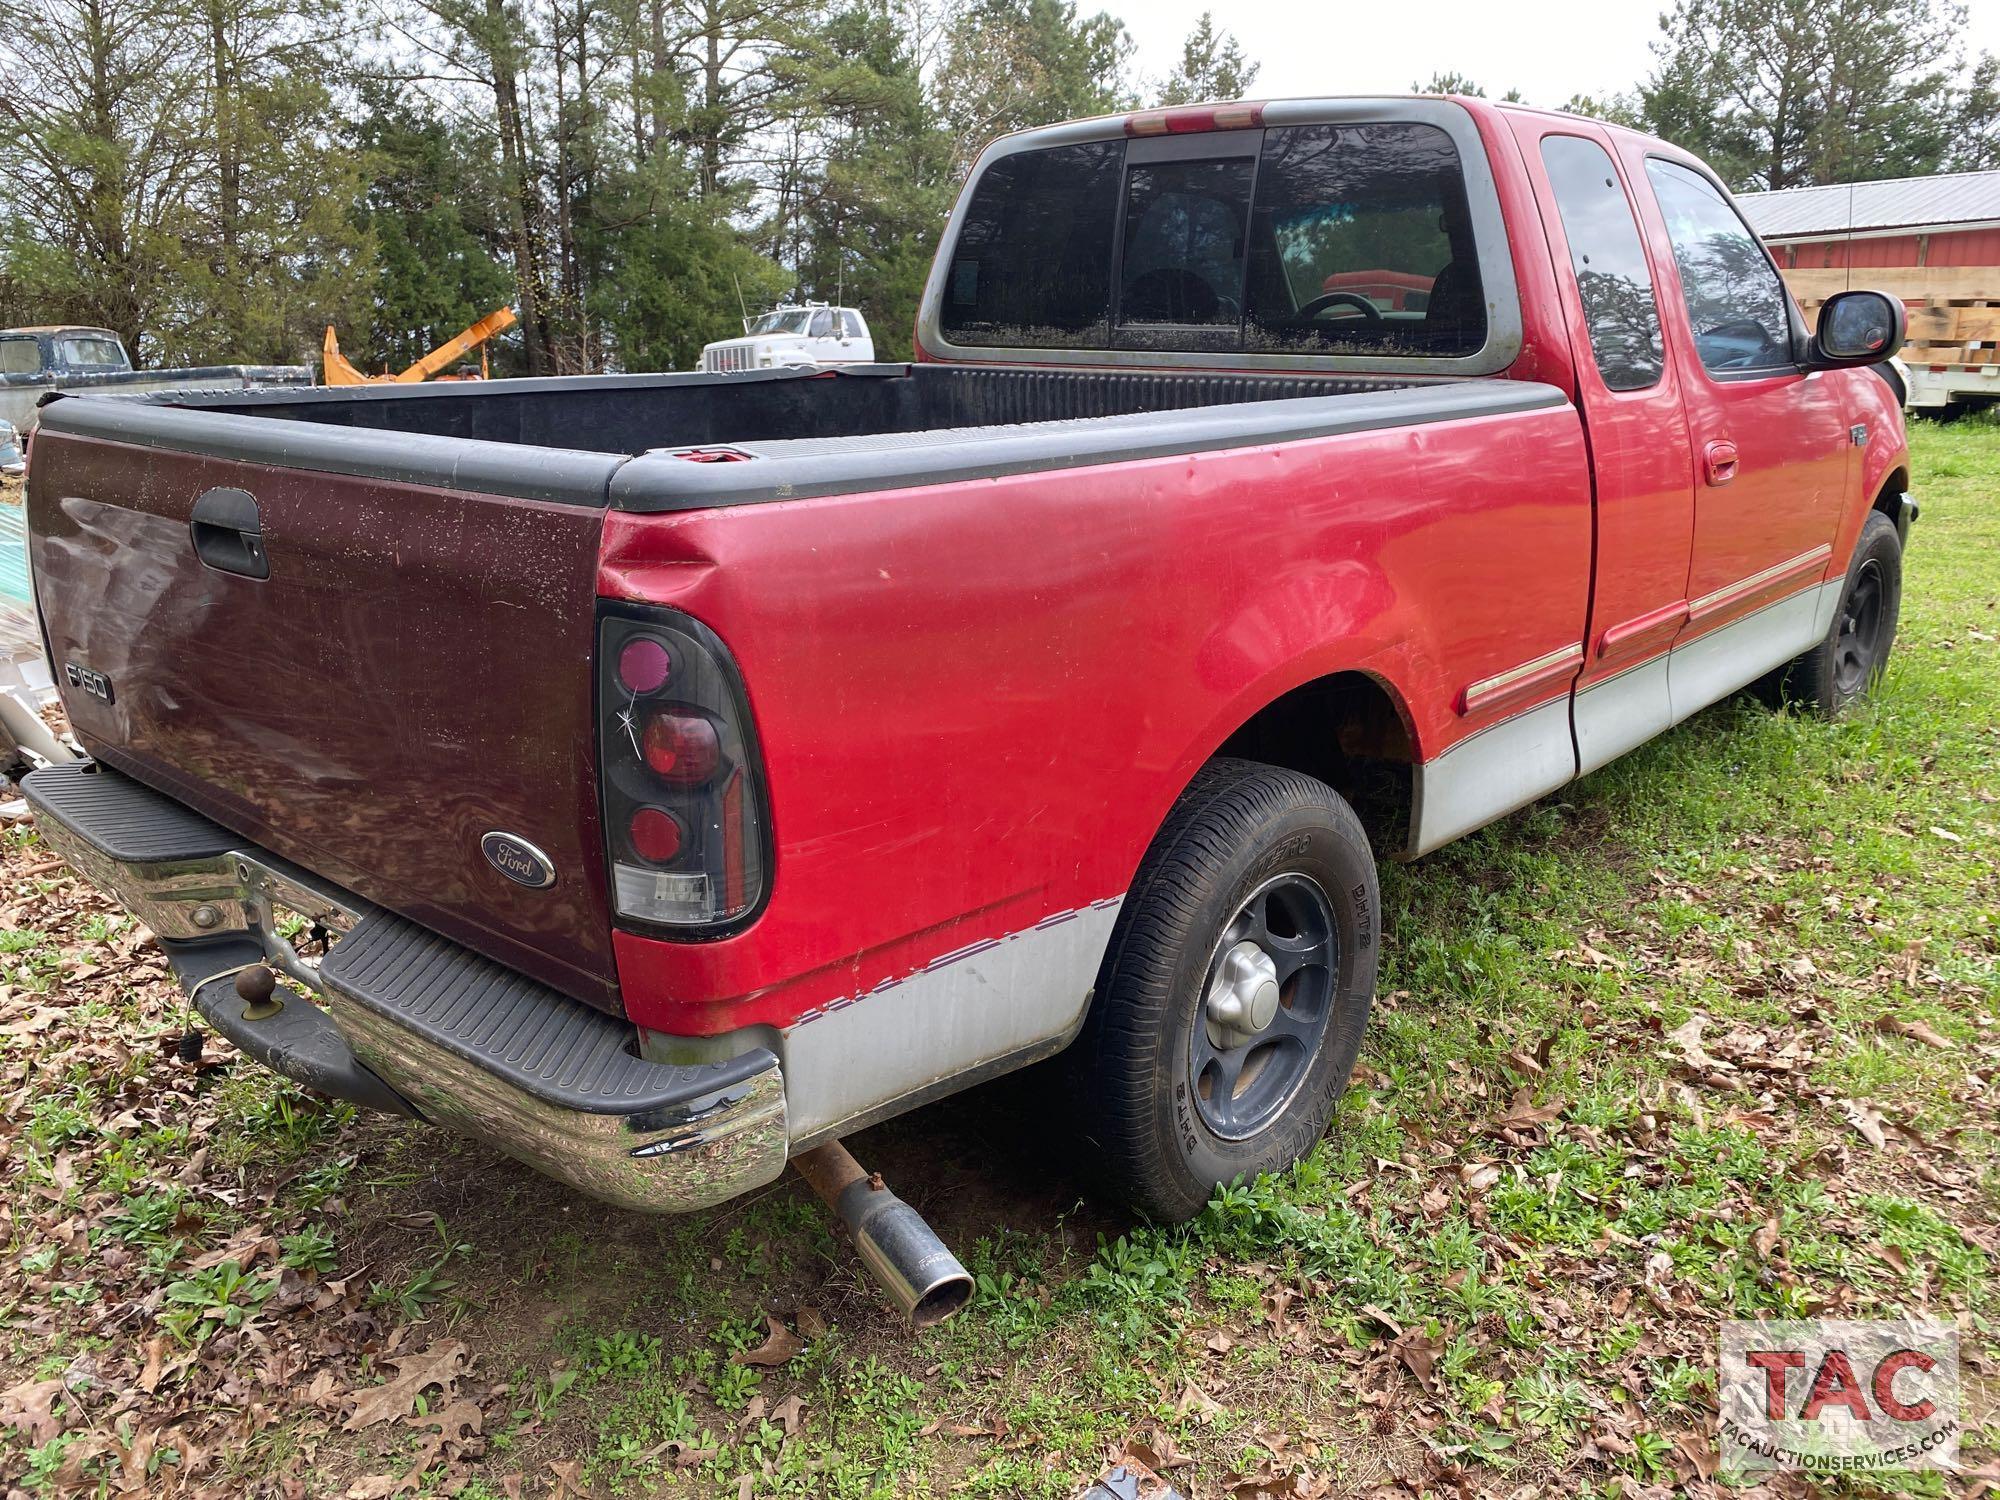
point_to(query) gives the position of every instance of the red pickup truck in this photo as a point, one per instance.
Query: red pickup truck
(659, 775)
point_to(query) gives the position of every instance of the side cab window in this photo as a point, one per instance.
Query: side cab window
(1736, 303)
(89, 352)
(1613, 278)
(22, 356)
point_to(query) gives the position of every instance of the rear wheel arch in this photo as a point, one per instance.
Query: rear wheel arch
(1351, 730)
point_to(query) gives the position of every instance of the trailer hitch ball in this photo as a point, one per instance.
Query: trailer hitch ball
(257, 988)
(903, 1253)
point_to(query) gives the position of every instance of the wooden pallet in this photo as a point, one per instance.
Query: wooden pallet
(1955, 316)
(1945, 284)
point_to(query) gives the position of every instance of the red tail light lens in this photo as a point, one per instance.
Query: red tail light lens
(656, 835)
(644, 665)
(688, 836)
(681, 748)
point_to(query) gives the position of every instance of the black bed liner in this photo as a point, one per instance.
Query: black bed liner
(678, 442)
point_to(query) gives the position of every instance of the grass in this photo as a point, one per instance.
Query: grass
(1433, 1300)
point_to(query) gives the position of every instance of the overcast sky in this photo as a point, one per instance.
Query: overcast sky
(1548, 49)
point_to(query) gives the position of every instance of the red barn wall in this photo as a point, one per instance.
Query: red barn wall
(1960, 247)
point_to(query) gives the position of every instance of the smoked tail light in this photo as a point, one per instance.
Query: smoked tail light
(686, 826)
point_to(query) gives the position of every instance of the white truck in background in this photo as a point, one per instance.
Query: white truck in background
(794, 333)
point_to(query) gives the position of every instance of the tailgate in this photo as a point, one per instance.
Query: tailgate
(413, 674)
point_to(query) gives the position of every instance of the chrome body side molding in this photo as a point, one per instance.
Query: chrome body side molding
(1508, 765)
(1757, 583)
(1519, 681)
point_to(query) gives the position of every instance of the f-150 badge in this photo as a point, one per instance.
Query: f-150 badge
(86, 681)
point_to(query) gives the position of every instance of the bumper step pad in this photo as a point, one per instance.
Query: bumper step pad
(540, 1041)
(122, 819)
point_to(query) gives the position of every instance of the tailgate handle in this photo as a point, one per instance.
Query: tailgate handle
(228, 533)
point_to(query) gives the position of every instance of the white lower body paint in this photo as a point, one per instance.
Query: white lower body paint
(1511, 763)
(976, 1013)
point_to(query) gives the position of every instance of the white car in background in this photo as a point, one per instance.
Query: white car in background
(811, 333)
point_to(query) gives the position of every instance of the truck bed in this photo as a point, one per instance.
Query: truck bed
(633, 414)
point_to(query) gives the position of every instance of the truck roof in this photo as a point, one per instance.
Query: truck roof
(1249, 114)
(39, 328)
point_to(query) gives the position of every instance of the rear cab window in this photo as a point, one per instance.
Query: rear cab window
(1180, 278)
(1363, 241)
(1032, 265)
(1353, 239)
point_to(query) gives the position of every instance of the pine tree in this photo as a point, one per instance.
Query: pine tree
(1788, 93)
(1213, 65)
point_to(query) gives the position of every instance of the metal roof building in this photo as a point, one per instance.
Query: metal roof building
(1932, 241)
(1948, 220)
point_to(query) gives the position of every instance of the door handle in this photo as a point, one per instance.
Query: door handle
(1719, 461)
(228, 533)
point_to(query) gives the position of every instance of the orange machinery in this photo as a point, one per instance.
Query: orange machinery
(339, 372)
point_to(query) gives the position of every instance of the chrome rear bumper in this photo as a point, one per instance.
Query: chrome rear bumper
(410, 1022)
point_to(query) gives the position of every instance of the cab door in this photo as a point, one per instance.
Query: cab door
(1631, 396)
(1769, 441)
(823, 347)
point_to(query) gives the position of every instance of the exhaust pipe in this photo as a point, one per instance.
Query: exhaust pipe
(900, 1250)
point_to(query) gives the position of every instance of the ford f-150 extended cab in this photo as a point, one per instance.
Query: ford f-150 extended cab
(666, 774)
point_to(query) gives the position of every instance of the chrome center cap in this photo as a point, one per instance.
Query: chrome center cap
(1243, 999)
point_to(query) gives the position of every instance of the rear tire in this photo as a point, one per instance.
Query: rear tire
(1832, 676)
(1232, 999)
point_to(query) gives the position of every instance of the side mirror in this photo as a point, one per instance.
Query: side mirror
(1858, 328)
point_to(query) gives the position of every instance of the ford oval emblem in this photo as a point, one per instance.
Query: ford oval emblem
(519, 860)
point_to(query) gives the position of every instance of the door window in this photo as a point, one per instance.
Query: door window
(19, 357)
(89, 353)
(1612, 275)
(1736, 304)
(822, 325)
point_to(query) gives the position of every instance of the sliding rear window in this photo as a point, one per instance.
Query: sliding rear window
(1313, 239)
